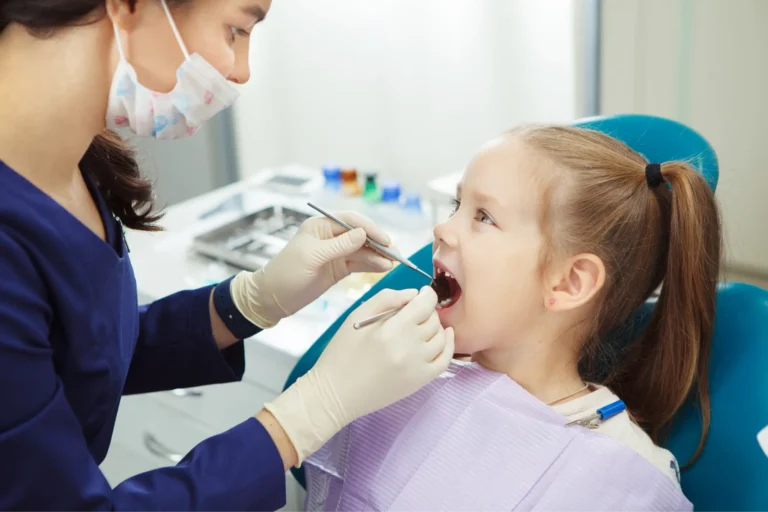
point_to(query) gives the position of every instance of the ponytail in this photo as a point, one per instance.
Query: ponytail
(671, 360)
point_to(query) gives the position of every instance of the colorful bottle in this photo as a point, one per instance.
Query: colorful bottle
(371, 189)
(328, 196)
(332, 175)
(412, 203)
(412, 211)
(349, 184)
(388, 210)
(390, 192)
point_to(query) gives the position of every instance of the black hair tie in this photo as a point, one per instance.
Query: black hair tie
(653, 175)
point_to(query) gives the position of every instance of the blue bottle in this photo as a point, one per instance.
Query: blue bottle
(413, 215)
(332, 175)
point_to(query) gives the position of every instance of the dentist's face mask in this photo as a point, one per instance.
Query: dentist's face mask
(200, 93)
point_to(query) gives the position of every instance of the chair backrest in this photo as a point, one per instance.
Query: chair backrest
(732, 471)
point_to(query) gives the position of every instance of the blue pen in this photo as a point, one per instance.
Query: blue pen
(602, 414)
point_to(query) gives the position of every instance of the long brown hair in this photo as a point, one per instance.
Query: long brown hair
(109, 161)
(599, 201)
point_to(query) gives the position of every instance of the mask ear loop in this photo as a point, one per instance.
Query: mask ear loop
(175, 30)
(118, 41)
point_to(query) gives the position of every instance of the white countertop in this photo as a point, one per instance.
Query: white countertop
(164, 262)
(444, 187)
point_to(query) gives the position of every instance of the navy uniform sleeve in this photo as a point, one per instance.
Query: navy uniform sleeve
(44, 458)
(176, 348)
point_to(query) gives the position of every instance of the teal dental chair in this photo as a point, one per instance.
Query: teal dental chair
(732, 472)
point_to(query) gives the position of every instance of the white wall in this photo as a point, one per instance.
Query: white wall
(185, 168)
(408, 87)
(701, 62)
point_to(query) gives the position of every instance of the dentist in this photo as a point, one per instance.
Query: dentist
(72, 338)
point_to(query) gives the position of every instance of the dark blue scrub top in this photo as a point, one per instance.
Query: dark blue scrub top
(73, 341)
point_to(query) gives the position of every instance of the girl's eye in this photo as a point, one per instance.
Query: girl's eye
(482, 216)
(455, 204)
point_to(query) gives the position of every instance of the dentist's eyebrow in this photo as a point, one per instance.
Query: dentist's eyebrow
(255, 11)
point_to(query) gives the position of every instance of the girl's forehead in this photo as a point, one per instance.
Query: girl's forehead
(507, 172)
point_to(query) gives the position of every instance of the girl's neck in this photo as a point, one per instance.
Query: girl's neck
(547, 371)
(53, 96)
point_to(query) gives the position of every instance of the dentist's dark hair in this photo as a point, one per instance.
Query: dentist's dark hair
(109, 160)
(598, 201)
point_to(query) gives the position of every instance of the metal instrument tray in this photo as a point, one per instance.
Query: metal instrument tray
(251, 241)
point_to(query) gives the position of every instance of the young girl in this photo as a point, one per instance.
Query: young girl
(558, 234)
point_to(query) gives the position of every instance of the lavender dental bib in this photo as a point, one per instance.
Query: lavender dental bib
(476, 440)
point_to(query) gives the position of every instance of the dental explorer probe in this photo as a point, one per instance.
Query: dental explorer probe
(384, 251)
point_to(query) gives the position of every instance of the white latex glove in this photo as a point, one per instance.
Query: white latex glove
(321, 254)
(364, 370)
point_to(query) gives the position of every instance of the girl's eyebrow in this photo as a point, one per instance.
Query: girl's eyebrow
(480, 196)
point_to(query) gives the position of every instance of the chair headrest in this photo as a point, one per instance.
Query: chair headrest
(659, 140)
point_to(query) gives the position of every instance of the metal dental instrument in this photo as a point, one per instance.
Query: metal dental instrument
(375, 318)
(384, 251)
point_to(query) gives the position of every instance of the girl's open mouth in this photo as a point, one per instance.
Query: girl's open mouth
(447, 288)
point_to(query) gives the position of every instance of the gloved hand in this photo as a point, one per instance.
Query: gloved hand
(321, 254)
(364, 370)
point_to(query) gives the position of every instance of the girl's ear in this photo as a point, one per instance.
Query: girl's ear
(577, 282)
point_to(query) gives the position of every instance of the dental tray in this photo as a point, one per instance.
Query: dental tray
(251, 241)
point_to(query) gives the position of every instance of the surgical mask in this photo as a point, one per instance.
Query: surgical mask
(200, 93)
